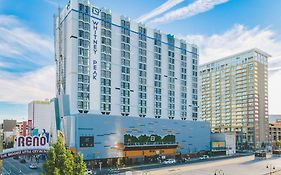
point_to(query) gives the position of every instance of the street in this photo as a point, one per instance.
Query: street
(14, 167)
(236, 166)
(246, 165)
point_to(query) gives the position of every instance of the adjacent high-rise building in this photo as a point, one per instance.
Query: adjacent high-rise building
(234, 96)
(39, 113)
(275, 131)
(108, 64)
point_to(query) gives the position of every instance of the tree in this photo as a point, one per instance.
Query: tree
(80, 166)
(278, 144)
(50, 165)
(263, 145)
(62, 161)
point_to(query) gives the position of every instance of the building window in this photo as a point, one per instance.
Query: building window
(171, 77)
(157, 75)
(125, 68)
(83, 58)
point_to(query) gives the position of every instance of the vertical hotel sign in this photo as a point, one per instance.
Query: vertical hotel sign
(95, 12)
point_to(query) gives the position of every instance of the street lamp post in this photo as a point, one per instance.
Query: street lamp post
(271, 168)
(219, 172)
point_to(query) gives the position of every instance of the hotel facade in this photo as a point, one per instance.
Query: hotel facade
(234, 96)
(108, 64)
(123, 86)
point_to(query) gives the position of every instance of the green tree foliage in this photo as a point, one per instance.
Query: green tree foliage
(10, 145)
(278, 144)
(80, 165)
(61, 161)
(263, 145)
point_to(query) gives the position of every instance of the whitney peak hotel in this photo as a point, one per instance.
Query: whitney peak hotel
(125, 90)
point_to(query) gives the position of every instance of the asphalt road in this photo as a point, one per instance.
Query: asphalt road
(236, 166)
(148, 167)
(14, 167)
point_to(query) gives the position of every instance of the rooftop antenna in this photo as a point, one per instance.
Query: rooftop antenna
(57, 41)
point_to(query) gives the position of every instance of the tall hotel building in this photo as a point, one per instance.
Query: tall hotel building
(123, 89)
(110, 65)
(234, 96)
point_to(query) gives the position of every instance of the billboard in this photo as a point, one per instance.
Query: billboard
(144, 139)
(27, 145)
(218, 145)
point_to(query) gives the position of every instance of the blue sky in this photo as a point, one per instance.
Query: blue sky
(219, 27)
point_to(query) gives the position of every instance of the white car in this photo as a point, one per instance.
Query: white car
(33, 166)
(88, 171)
(187, 159)
(169, 161)
(204, 157)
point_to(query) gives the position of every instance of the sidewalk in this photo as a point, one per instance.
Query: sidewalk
(278, 172)
(144, 167)
(194, 160)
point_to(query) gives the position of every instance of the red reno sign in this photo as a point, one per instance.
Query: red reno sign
(31, 141)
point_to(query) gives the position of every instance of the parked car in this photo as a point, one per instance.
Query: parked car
(33, 166)
(204, 157)
(22, 161)
(169, 161)
(187, 159)
(16, 157)
(88, 172)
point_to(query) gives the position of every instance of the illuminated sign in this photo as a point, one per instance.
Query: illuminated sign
(27, 145)
(95, 69)
(95, 36)
(95, 48)
(30, 141)
(95, 11)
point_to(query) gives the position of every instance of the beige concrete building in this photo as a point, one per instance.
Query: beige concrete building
(275, 131)
(39, 112)
(234, 96)
(9, 125)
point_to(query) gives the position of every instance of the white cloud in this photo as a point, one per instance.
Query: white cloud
(53, 3)
(9, 20)
(159, 10)
(198, 6)
(22, 49)
(238, 39)
(4, 65)
(23, 88)
(20, 44)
